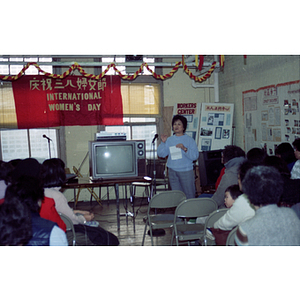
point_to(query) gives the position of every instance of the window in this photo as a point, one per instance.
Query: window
(122, 69)
(141, 105)
(11, 69)
(23, 143)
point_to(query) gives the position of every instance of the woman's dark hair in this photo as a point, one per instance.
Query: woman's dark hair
(5, 169)
(15, 222)
(286, 152)
(263, 185)
(27, 189)
(279, 164)
(256, 155)
(234, 191)
(244, 167)
(296, 144)
(26, 167)
(182, 119)
(231, 151)
(53, 172)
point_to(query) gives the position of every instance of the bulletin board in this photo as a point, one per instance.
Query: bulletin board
(215, 126)
(192, 113)
(271, 116)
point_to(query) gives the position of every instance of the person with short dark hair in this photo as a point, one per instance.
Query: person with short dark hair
(271, 225)
(15, 223)
(181, 151)
(31, 167)
(233, 156)
(231, 194)
(286, 152)
(295, 173)
(256, 155)
(30, 192)
(291, 187)
(53, 176)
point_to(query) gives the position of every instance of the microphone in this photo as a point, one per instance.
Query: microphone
(155, 137)
(44, 136)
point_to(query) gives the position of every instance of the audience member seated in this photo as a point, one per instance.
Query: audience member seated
(53, 177)
(15, 223)
(271, 225)
(295, 173)
(256, 155)
(31, 167)
(240, 208)
(233, 156)
(286, 152)
(30, 192)
(5, 169)
(291, 187)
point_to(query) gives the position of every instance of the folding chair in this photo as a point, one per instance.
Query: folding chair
(163, 200)
(70, 227)
(191, 208)
(230, 239)
(209, 222)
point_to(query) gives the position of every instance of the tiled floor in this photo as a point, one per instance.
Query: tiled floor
(106, 215)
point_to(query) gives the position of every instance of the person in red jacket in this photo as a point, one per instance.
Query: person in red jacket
(31, 167)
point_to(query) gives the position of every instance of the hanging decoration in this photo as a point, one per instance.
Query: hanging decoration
(113, 65)
(199, 79)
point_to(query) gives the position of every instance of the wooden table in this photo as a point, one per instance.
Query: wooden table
(106, 182)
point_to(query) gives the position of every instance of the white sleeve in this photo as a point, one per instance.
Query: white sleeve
(58, 237)
(239, 212)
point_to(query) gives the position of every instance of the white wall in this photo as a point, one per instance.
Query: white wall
(259, 71)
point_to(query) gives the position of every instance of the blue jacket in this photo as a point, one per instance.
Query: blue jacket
(41, 230)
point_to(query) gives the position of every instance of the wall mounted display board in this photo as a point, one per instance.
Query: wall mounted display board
(271, 116)
(192, 112)
(215, 126)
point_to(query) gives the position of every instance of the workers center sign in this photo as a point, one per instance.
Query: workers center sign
(75, 100)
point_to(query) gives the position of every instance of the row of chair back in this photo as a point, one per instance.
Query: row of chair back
(162, 201)
(186, 230)
(182, 221)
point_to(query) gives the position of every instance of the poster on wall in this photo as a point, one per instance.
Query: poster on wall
(215, 126)
(271, 116)
(192, 113)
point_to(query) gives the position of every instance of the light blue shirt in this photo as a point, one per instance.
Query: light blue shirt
(185, 163)
(58, 237)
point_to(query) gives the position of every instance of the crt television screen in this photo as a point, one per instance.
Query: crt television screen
(115, 159)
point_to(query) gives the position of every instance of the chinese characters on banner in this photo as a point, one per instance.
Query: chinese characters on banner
(192, 112)
(215, 126)
(271, 116)
(74, 100)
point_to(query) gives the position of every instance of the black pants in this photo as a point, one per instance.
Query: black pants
(94, 236)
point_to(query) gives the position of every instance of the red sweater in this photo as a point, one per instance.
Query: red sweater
(49, 212)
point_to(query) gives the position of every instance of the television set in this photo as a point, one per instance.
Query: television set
(117, 159)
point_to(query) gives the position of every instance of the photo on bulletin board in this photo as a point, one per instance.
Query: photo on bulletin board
(206, 131)
(218, 133)
(215, 119)
(206, 145)
(226, 133)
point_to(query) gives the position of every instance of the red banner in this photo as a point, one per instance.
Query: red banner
(75, 100)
